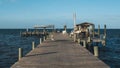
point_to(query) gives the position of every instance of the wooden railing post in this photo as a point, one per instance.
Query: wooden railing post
(33, 45)
(19, 54)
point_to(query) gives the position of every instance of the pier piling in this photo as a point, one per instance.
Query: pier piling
(33, 45)
(84, 43)
(96, 51)
(19, 54)
(99, 30)
(105, 30)
(40, 40)
(104, 35)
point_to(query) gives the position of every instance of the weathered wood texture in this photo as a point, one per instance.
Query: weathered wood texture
(60, 53)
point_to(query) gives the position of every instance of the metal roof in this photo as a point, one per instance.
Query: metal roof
(44, 26)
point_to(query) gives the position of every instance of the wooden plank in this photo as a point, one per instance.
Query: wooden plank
(60, 53)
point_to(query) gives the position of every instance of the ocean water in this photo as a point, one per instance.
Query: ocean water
(110, 54)
(10, 41)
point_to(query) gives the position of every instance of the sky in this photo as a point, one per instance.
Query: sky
(27, 13)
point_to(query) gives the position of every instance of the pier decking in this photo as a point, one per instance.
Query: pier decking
(59, 53)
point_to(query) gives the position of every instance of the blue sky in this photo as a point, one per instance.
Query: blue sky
(27, 13)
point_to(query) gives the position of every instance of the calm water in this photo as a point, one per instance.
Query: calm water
(111, 53)
(10, 41)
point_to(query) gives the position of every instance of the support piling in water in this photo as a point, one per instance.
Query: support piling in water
(104, 35)
(19, 54)
(96, 51)
(99, 30)
(105, 30)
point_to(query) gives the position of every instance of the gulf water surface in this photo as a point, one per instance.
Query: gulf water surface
(10, 41)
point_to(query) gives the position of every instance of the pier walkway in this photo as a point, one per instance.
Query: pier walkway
(60, 53)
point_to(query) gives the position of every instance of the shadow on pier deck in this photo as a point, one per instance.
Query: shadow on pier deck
(60, 53)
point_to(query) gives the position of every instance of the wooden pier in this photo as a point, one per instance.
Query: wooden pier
(62, 52)
(36, 31)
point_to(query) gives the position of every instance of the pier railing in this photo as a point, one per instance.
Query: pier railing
(60, 52)
(20, 51)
